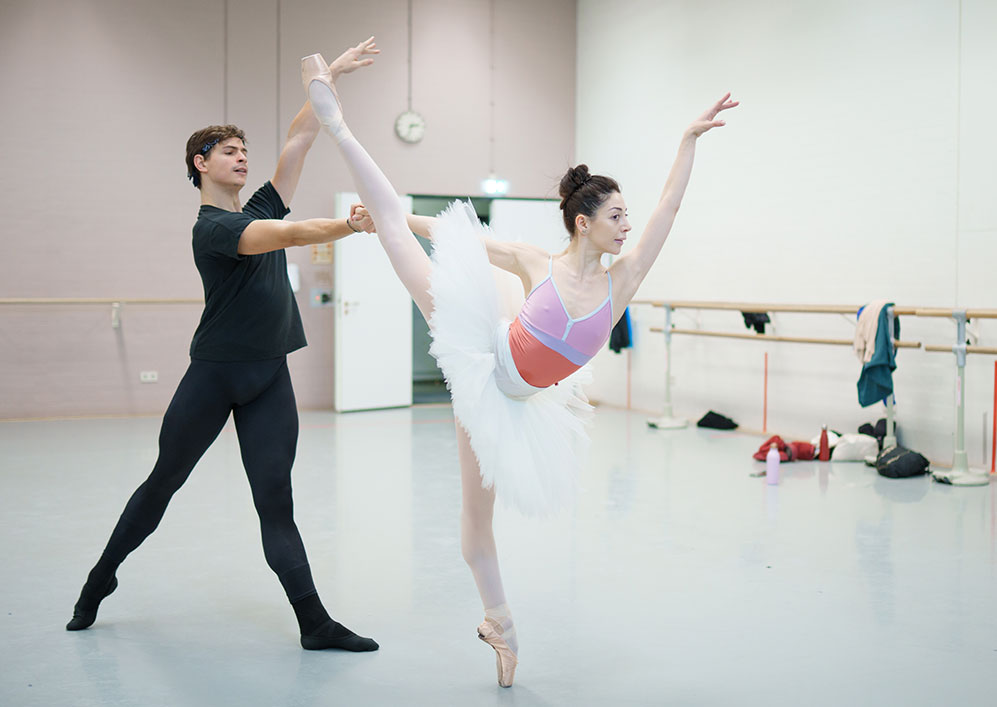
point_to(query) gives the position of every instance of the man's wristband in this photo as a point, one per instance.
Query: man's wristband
(350, 224)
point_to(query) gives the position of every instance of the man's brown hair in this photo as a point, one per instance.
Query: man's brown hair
(203, 141)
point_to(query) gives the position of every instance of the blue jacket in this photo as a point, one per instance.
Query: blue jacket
(876, 379)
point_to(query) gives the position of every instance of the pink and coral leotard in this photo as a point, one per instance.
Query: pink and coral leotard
(547, 344)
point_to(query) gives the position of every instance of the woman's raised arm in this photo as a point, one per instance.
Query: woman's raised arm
(631, 269)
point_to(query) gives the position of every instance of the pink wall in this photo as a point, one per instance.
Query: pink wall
(93, 192)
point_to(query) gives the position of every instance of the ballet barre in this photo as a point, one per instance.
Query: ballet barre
(960, 474)
(889, 440)
(756, 308)
(669, 421)
(967, 313)
(101, 300)
(752, 307)
(115, 302)
(970, 349)
(773, 337)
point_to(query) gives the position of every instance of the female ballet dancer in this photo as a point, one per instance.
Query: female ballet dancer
(515, 385)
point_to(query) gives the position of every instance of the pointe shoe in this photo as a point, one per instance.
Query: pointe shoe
(491, 632)
(314, 68)
(317, 80)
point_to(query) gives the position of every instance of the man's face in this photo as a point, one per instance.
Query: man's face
(227, 163)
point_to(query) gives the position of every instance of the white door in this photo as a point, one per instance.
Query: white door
(372, 334)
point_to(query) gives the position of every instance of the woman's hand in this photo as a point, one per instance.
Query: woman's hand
(352, 59)
(707, 120)
(360, 218)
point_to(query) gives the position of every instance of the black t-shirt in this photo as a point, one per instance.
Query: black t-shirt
(249, 310)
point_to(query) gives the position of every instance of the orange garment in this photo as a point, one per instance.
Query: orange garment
(538, 365)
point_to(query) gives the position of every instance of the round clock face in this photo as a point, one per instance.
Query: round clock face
(410, 126)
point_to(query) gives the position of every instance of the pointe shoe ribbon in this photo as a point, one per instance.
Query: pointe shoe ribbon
(491, 632)
(321, 92)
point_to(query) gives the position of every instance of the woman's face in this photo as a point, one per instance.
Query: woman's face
(607, 229)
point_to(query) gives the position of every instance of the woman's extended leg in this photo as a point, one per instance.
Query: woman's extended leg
(407, 257)
(477, 544)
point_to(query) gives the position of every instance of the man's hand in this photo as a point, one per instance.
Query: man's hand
(352, 59)
(360, 218)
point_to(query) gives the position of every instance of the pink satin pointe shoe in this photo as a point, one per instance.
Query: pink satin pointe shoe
(491, 632)
(321, 92)
(315, 68)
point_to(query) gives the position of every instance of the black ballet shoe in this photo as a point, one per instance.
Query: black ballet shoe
(333, 634)
(84, 618)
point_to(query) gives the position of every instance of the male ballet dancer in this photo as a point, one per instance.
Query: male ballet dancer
(238, 363)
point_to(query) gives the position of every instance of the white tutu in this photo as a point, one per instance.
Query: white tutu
(529, 441)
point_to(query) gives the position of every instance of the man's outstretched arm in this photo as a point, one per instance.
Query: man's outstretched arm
(265, 235)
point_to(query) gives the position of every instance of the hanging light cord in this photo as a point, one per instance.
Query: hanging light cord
(410, 55)
(491, 87)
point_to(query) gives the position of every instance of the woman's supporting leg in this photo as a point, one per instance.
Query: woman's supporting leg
(477, 543)
(407, 257)
(477, 539)
(268, 435)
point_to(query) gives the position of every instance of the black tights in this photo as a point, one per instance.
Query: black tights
(260, 396)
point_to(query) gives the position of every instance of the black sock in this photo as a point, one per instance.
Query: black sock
(310, 613)
(320, 631)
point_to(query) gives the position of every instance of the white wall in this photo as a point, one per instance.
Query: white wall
(99, 97)
(858, 166)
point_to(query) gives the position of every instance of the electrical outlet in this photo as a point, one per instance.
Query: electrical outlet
(321, 297)
(148, 376)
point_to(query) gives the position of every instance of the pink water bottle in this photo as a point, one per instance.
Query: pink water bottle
(772, 464)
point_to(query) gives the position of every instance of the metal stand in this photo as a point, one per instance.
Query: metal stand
(668, 421)
(890, 440)
(960, 474)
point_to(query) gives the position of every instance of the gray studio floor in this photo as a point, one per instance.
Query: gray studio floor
(676, 579)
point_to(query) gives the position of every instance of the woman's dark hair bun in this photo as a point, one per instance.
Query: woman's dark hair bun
(583, 193)
(574, 179)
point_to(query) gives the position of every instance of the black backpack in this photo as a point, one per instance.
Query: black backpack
(899, 463)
